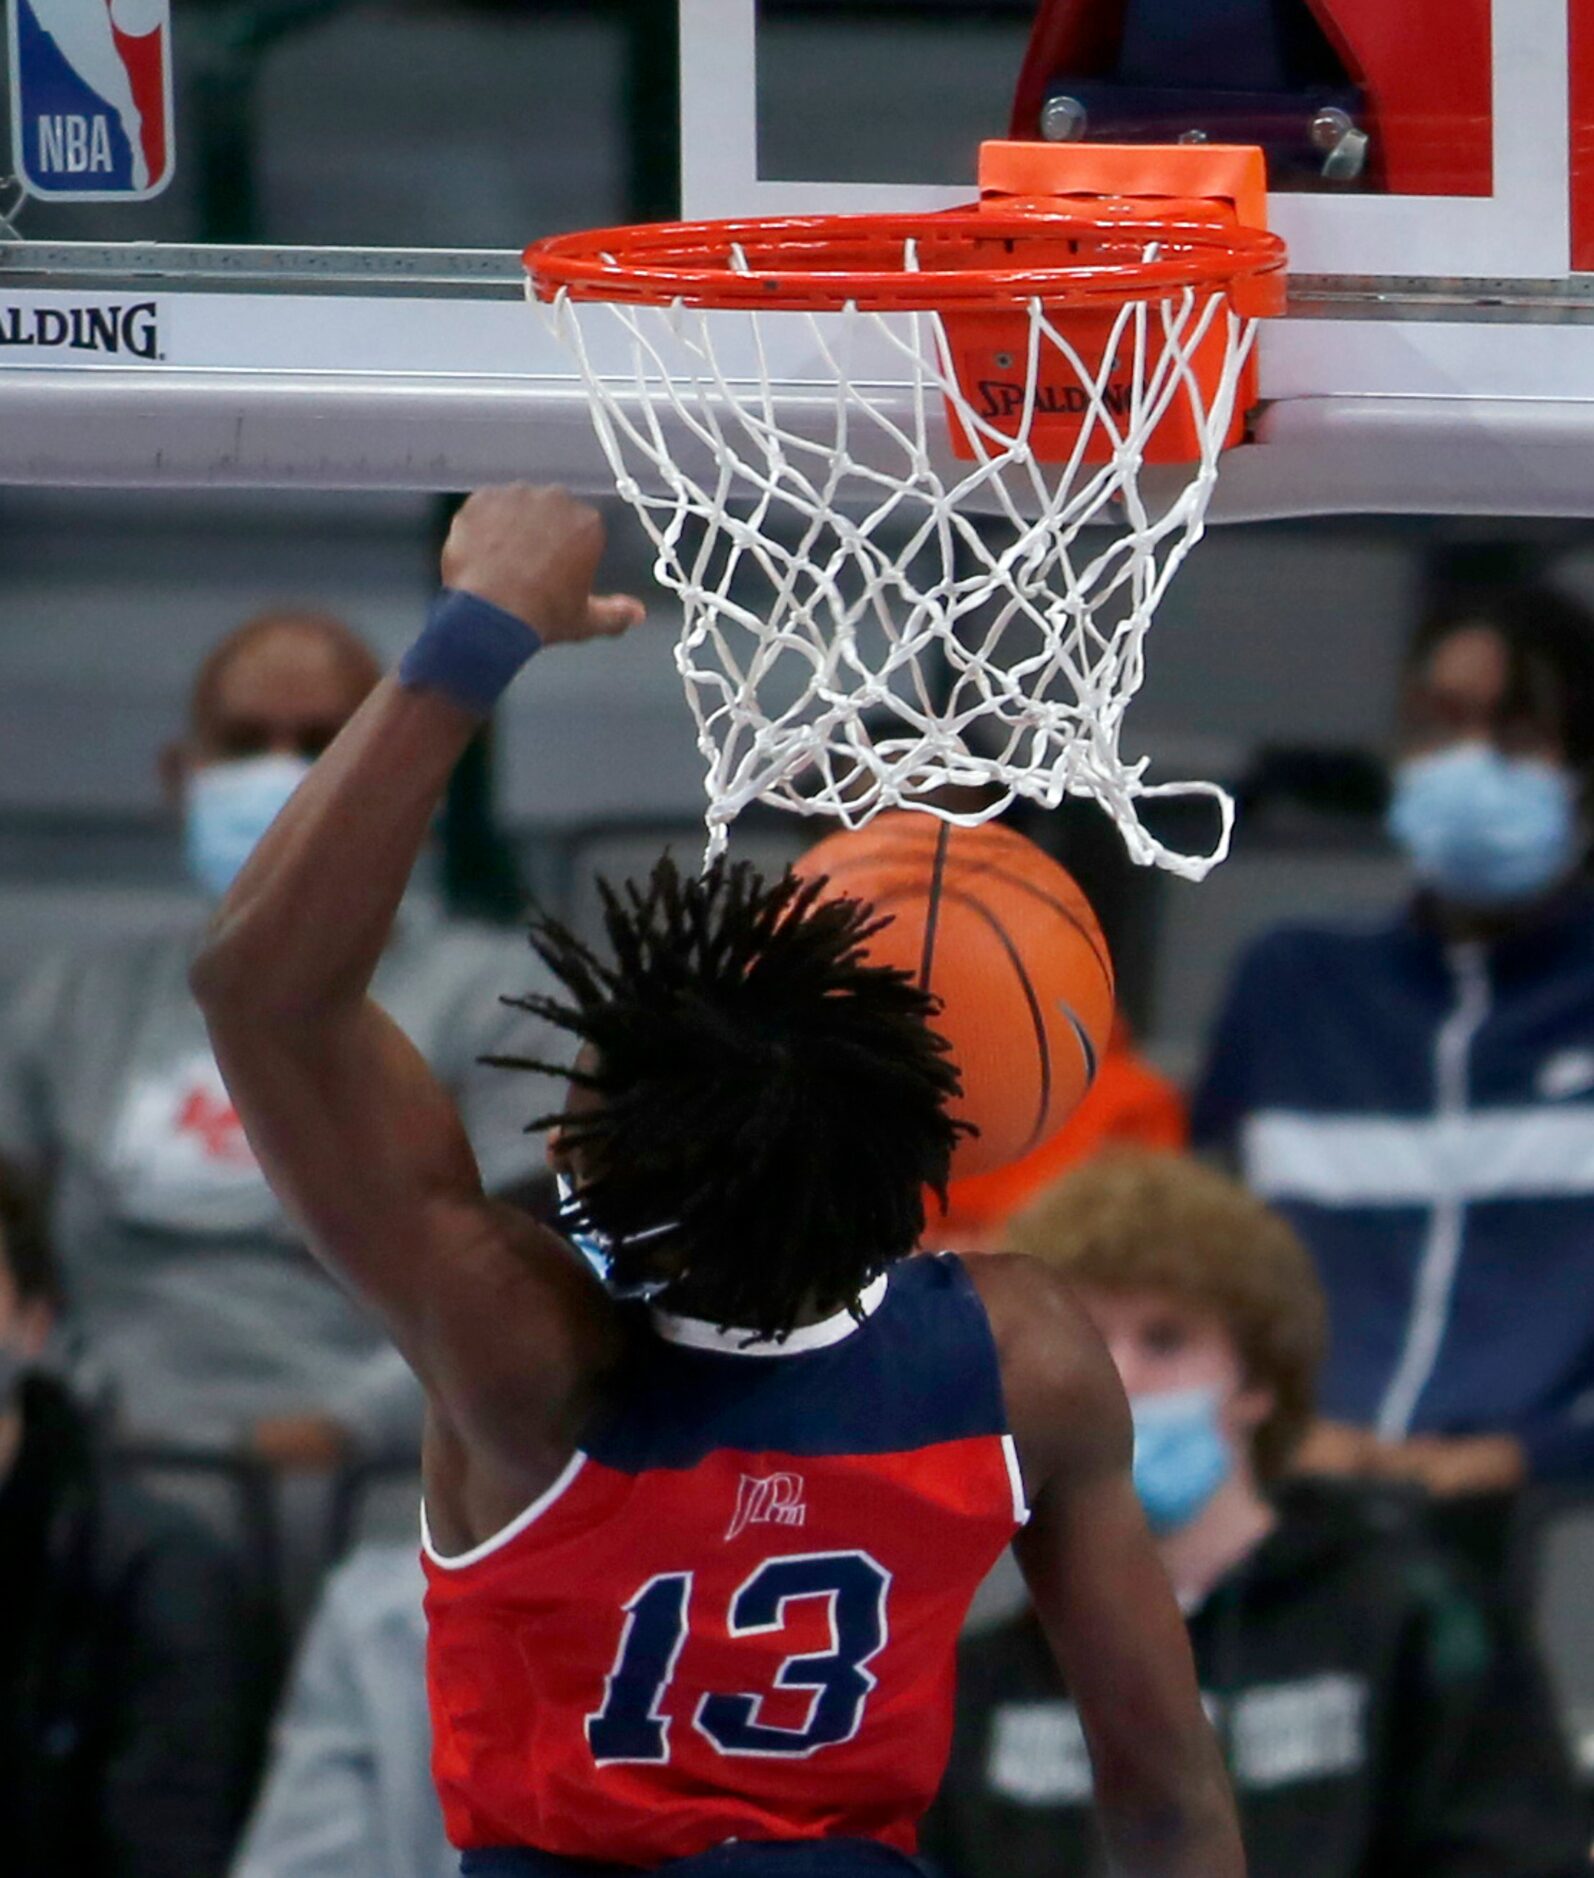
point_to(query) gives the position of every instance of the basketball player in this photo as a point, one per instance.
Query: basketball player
(696, 1564)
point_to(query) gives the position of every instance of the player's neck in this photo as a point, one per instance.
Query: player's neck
(812, 1314)
(679, 1302)
(1229, 1528)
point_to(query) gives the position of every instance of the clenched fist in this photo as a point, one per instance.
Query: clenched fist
(534, 553)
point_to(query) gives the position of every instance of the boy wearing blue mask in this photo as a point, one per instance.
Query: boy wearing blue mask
(1372, 1719)
(1418, 1099)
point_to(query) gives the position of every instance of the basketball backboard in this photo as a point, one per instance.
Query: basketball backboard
(1439, 354)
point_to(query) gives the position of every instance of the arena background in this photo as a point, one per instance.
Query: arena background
(1274, 658)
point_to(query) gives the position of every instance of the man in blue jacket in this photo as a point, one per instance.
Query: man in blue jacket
(1419, 1099)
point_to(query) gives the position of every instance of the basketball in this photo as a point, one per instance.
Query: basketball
(1002, 936)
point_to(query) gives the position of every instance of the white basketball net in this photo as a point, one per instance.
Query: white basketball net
(854, 638)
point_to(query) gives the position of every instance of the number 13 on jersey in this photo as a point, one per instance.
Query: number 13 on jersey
(630, 1727)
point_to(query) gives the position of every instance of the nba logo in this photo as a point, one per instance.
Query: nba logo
(91, 98)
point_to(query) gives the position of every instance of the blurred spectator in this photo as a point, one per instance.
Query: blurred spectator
(1419, 1099)
(190, 1292)
(1128, 1105)
(125, 1650)
(1374, 1721)
(349, 1791)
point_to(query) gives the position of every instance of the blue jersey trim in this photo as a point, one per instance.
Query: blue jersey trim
(920, 1371)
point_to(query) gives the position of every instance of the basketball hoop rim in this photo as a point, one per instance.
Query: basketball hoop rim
(828, 263)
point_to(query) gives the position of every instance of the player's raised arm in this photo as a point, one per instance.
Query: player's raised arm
(359, 1140)
(1162, 1795)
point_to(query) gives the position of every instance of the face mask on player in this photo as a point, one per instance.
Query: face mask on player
(1181, 1455)
(595, 1246)
(573, 1223)
(1482, 828)
(227, 807)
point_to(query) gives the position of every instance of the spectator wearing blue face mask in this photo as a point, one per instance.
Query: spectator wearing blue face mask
(191, 1297)
(1419, 1099)
(1373, 1718)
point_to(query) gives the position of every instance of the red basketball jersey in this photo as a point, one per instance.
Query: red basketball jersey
(734, 1615)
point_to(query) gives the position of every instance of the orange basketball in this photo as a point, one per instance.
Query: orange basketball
(1003, 937)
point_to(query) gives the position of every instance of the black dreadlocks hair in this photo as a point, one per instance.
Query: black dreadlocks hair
(769, 1107)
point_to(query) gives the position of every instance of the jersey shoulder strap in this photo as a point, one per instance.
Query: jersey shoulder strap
(919, 1370)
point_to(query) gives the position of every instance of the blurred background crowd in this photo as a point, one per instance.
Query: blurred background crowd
(1331, 1201)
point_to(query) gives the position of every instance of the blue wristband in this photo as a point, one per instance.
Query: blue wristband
(469, 650)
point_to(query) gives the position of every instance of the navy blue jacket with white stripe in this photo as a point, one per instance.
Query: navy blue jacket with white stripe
(1424, 1115)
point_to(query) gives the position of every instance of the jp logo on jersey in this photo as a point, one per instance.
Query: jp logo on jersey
(91, 97)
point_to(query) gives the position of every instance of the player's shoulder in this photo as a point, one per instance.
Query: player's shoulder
(1024, 1298)
(1062, 1392)
(528, 1343)
(1026, 1306)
